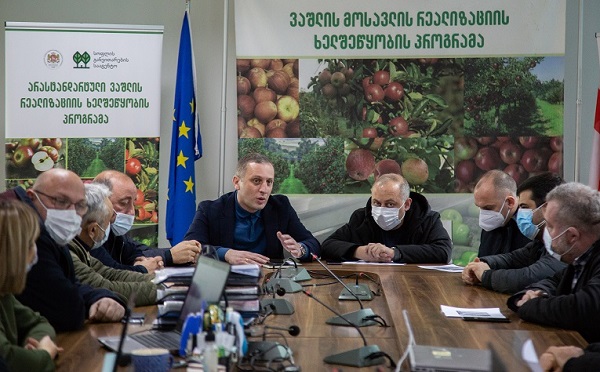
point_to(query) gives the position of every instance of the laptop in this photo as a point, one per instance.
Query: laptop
(207, 286)
(445, 359)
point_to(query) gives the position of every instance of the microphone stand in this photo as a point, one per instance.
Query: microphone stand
(359, 318)
(367, 355)
(280, 306)
(361, 291)
(287, 284)
(296, 274)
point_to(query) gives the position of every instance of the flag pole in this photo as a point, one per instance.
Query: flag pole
(223, 101)
(576, 170)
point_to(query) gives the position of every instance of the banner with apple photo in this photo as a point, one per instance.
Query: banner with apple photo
(434, 91)
(89, 102)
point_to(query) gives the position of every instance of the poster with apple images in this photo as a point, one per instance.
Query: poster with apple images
(441, 117)
(27, 158)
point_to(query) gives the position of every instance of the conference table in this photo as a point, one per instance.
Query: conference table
(419, 291)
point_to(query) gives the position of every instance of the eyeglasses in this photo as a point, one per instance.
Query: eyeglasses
(63, 203)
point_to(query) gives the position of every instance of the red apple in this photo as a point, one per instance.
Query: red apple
(381, 78)
(486, 140)
(529, 142)
(265, 111)
(257, 77)
(487, 158)
(246, 105)
(465, 148)
(338, 79)
(556, 143)
(276, 123)
(398, 127)
(288, 108)
(34, 143)
(366, 82)
(54, 142)
(510, 152)
(276, 133)
(276, 64)
(517, 172)
(262, 94)
(374, 93)
(243, 85)
(534, 161)
(369, 132)
(250, 132)
(324, 77)
(51, 151)
(254, 122)
(279, 82)
(329, 90)
(260, 63)
(555, 163)
(360, 164)
(242, 65)
(465, 171)
(386, 166)
(415, 171)
(22, 156)
(293, 129)
(241, 124)
(289, 69)
(394, 91)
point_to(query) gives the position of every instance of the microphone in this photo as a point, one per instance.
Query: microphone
(287, 284)
(296, 274)
(361, 291)
(293, 330)
(365, 356)
(280, 306)
(360, 318)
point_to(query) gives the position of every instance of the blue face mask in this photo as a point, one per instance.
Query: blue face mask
(525, 222)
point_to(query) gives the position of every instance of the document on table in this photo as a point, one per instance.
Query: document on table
(451, 268)
(361, 262)
(530, 357)
(483, 312)
(172, 272)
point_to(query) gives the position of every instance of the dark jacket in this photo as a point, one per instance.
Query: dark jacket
(577, 309)
(52, 288)
(214, 224)
(504, 239)
(124, 250)
(588, 362)
(511, 272)
(421, 238)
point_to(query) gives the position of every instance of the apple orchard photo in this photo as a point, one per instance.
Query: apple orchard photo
(333, 125)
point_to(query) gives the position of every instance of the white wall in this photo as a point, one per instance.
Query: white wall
(207, 28)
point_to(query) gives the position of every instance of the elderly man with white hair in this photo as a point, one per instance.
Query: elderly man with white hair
(95, 227)
(571, 298)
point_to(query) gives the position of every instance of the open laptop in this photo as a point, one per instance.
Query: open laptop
(207, 286)
(445, 359)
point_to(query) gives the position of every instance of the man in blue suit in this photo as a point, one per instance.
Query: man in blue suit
(249, 225)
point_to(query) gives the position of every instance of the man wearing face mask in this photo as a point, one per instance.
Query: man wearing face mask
(52, 288)
(396, 225)
(496, 196)
(571, 298)
(513, 271)
(95, 228)
(122, 252)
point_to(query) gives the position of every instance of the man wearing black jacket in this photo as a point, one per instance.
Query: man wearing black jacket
(121, 251)
(496, 196)
(571, 298)
(52, 288)
(513, 271)
(396, 225)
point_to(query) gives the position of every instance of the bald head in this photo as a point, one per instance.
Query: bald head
(497, 191)
(56, 185)
(123, 190)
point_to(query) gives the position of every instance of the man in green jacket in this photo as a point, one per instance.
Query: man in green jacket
(95, 228)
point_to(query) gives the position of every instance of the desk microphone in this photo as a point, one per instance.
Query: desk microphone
(360, 318)
(367, 355)
(293, 330)
(361, 291)
(295, 273)
(280, 306)
(287, 284)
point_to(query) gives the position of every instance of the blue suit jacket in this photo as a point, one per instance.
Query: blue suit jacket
(214, 224)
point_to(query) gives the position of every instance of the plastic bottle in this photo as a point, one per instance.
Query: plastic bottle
(211, 353)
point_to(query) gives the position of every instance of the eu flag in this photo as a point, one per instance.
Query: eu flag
(186, 143)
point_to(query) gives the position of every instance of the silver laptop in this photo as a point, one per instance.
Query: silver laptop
(445, 359)
(207, 286)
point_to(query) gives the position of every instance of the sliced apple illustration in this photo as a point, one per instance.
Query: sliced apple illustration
(42, 161)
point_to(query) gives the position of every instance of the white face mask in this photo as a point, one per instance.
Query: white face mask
(29, 265)
(62, 225)
(122, 224)
(548, 244)
(100, 243)
(491, 220)
(386, 218)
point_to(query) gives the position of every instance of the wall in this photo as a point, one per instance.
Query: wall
(207, 29)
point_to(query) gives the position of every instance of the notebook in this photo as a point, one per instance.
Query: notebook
(207, 286)
(445, 359)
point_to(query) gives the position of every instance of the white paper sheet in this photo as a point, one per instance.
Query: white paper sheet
(459, 312)
(451, 268)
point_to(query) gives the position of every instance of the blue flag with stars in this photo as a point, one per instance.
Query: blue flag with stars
(186, 143)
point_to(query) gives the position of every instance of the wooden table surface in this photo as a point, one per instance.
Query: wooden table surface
(419, 291)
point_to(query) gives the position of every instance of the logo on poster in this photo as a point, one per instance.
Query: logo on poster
(53, 59)
(81, 59)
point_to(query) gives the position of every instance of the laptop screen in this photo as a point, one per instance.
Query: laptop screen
(207, 286)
